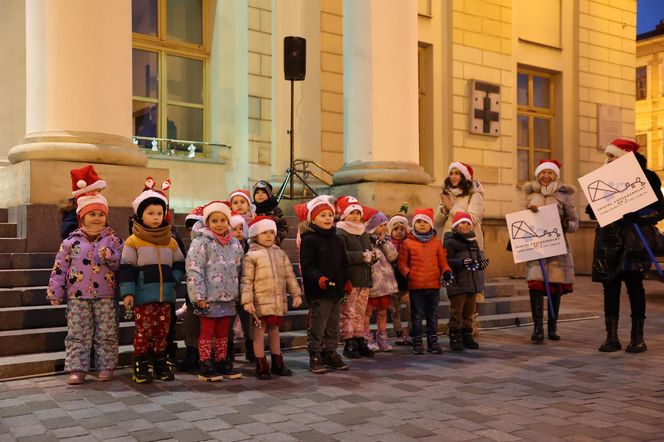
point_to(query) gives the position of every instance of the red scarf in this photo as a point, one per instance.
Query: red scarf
(223, 239)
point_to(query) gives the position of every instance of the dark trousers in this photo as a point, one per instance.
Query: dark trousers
(424, 304)
(637, 295)
(323, 330)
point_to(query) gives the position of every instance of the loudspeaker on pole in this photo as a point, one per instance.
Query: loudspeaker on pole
(295, 58)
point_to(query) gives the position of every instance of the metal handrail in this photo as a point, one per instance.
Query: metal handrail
(306, 172)
(172, 140)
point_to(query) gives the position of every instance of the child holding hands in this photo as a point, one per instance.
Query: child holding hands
(267, 276)
(83, 276)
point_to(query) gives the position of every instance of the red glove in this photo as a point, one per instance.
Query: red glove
(348, 287)
(322, 282)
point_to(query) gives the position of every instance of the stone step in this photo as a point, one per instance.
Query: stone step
(23, 296)
(24, 277)
(4, 215)
(8, 230)
(12, 245)
(26, 260)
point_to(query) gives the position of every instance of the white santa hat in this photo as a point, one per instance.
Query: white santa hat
(216, 206)
(236, 220)
(261, 224)
(552, 165)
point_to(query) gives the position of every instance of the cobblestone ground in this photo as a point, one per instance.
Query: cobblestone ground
(509, 390)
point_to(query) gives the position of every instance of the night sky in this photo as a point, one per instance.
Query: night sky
(649, 13)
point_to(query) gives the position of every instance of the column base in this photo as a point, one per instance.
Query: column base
(47, 182)
(84, 147)
(381, 171)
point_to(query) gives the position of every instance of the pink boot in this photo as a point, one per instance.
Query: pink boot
(383, 343)
(105, 375)
(371, 344)
(76, 377)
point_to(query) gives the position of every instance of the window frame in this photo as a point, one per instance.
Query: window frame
(643, 89)
(163, 47)
(531, 112)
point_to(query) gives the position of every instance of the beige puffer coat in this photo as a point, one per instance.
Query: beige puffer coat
(471, 203)
(267, 275)
(559, 269)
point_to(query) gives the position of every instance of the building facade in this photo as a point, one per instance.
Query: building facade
(394, 91)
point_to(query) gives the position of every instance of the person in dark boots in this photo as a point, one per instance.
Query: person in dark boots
(546, 190)
(468, 264)
(326, 281)
(620, 256)
(267, 279)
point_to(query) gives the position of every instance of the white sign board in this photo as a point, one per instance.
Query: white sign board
(536, 235)
(617, 188)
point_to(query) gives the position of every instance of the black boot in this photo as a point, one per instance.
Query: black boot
(612, 342)
(249, 350)
(537, 310)
(262, 369)
(418, 348)
(190, 361)
(350, 349)
(278, 366)
(552, 323)
(141, 373)
(161, 369)
(467, 339)
(363, 348)
(206, 368)
(636, 343)
(225, 368)
(455, 339)
(316, 364)
(332, 360)
(433, 346)
(172, 354)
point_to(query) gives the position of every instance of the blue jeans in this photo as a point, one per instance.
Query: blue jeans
(424, 304)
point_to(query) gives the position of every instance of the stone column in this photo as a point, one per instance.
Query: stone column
(78, 83)
(380, 93)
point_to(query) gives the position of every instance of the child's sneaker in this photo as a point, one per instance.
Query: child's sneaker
(433, 346)
(316, 364)
(383, 343)
(371, 343)
(418, 347)
(76, 378)
(401, 339)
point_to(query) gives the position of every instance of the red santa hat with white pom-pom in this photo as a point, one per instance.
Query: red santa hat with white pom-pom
(261, 224)
(621, 146)
(551, 165)
(85, 180)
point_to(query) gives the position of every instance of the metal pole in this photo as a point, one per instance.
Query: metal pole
(292, 145)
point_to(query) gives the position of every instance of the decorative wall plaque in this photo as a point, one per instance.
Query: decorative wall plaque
(484, 108)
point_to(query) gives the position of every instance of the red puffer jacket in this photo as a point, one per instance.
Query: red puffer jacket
(423, 262)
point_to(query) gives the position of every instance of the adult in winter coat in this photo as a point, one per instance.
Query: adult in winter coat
(546, 190)
(619, 255)
(461, 193)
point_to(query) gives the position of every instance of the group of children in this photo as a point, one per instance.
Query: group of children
(354, 261)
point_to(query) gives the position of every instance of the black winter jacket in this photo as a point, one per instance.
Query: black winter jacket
(458, 249)
(322, 253)
(617, 247)
(356, 245)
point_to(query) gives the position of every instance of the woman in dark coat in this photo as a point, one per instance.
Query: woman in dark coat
(620, 256)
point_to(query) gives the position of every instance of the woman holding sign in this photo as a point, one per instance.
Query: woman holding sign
(558, 270)
(620, 255)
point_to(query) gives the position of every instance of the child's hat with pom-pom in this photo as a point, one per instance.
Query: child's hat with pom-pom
(310, 210)
(424, 214)
(461, 217)
(217, 206)
(261, 224)
(150, 196)
(85, 180)
(347, 204)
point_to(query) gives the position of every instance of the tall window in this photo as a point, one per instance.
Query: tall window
(535, 121)
(168, 66)
(641, 82)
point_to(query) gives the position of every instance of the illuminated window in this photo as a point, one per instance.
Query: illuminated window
(535, 121)
(641, 83)
(169, 62)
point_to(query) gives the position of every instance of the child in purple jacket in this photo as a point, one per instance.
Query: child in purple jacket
(83, 276)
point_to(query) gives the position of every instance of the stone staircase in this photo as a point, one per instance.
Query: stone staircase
(32, 331)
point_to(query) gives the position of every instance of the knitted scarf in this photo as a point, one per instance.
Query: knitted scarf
(352, 228)
(225, 238)
(424, 237)
(160, 236)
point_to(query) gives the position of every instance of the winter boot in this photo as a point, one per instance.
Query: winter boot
(225, 368)
(433, 346)
(190, 361)
(552, 323)
(418, 347)
(172, 354)
(316, 364)
(332, 360)
(206, 368)
(76, 377)
(371, 342)
(262, 369)
(350, 349)
(363, 348)
(249, 350)
(401, 339)
(636, 343)
(467, 339)
(278, 367)
(537, 309)
(455, 339)
(162, 370)
(612, 343)
(141, 373)
(383, 343)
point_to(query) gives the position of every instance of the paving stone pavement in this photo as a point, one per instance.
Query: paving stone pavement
(509, 390)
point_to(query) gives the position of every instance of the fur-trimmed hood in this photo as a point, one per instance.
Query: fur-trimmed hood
(536, 187)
